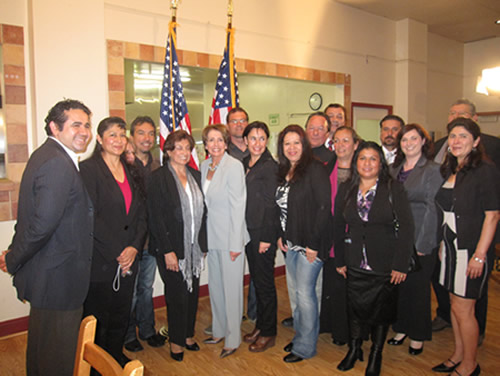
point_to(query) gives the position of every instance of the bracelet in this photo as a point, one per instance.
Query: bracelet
(478, 260)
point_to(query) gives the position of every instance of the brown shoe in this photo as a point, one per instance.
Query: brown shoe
(251, 337)
(262, 344)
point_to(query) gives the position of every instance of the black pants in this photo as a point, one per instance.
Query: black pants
(261, 267)
(414, 302)
(112, 310)
(443, 298)
(182, 305)
(333, 316)
(52, 340)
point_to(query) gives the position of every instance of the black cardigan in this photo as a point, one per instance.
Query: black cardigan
(114, 229)
(384, 251)
(262, 181)
(166, 225)
(309, 211)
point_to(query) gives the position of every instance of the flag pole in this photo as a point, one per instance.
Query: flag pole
(173, 6)
(231, 51)
(229, 14)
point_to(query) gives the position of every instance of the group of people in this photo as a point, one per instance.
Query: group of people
(363, 229)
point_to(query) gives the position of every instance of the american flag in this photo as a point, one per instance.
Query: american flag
(173, 109)
(226, 94)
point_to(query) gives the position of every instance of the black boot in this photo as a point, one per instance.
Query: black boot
(379, 334)
(355, 352)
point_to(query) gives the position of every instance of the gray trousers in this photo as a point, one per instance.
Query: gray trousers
(225, 284)
(52, 340)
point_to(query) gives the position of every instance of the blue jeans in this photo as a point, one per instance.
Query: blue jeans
(303, 275)
(142, 303)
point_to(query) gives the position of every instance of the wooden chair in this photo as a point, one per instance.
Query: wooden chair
(88, 355)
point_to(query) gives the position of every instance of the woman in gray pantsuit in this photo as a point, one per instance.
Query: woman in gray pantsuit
(223, 182)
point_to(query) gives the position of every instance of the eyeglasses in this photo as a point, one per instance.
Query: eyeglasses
(236, 121)
(459, 114)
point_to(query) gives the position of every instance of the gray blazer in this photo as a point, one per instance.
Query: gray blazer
(226, 202)
(422, 185)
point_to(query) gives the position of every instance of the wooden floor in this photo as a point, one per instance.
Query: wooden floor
(396, 361)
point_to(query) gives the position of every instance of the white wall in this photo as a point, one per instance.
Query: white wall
(478, 56)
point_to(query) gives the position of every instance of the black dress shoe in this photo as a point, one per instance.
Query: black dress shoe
(193, 347)
(337, 342)
(396, 342)
(413, 351)
(212, 340)
(289, 347)
(177, 356)
(476, 371)
(292, 358)
(156, 340)
(134, 346)
(443, 368)
(288, 322)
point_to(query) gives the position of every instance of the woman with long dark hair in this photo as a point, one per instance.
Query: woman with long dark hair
(119, 234)
(414, 168)
(261, 179)
(373, 232)
(303, 197)
(469, 202)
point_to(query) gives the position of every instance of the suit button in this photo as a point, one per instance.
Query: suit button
(92, 234)
(125, 228)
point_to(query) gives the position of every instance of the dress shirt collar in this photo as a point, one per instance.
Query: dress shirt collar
(71, 153)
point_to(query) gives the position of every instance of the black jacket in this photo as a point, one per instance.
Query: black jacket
(114, 229)
(262, 181)
(384, 251)
(309, 211)
(166, 225)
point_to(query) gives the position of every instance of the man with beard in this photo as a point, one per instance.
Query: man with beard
(390, 127)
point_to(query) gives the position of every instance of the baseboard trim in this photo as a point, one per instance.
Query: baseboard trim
(20, 324)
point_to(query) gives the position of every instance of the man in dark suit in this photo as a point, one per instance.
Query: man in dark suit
(466, 109)
(50, 253)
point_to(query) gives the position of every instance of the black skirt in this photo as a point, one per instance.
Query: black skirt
(371, 297)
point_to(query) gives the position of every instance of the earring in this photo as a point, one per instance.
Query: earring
(474, 148)
(449, 149)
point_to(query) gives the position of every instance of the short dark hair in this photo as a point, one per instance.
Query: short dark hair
(323, 115)
(336, 105)
(57, 114)
(174, 138)
(256, 125)
(305, 159)
(104, 125)
(235, 110)
(393, 117)
(475, 157)
(427, 148)
(141, 120)
(215, 127)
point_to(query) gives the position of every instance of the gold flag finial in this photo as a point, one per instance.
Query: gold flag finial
(173, 6)
(229, 13)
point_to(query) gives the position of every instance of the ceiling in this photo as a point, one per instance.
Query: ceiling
(460, 20)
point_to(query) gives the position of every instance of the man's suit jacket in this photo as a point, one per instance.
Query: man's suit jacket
(51, 251)
(226, 201)
(421, 186)
(114, 229)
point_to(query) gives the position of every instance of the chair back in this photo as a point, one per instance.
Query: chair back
(89, 355)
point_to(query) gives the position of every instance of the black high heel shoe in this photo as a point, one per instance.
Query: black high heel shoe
(193, 347)
(396, 342)
(177, 356)
(443, 368)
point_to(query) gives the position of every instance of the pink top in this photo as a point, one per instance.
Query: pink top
(126, 191)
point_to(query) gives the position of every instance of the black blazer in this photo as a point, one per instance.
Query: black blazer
(262, 181)
(166, 225)
(384, 252)
(114, 229)
(310, 210)
(51, 249)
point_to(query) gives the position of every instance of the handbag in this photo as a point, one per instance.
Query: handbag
(414, 264)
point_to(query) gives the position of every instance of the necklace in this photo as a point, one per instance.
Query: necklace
(212, 167)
